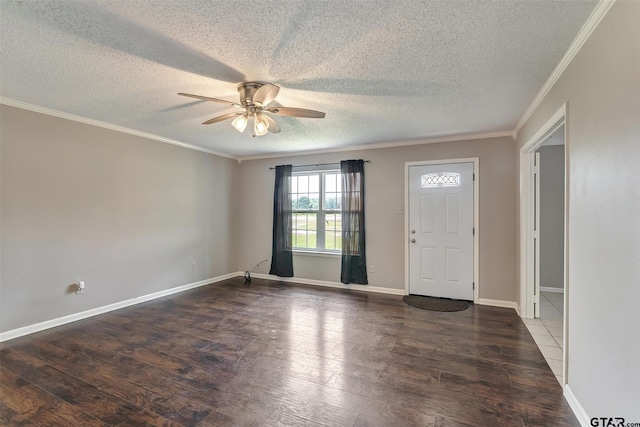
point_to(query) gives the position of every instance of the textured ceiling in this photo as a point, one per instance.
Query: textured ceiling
(381, 70)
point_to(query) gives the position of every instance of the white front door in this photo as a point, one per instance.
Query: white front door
(441, 230)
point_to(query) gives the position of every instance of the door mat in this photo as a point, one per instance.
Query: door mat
(435, 304)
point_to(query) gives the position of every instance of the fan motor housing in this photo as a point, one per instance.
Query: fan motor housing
(246, 91)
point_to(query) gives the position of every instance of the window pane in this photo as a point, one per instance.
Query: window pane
(303, 184)
(304, 203)
(333, 231)
(332, 201)
(305, 192)
(330, 182)
(314, 183)
(314, 200)
(441, 179)
(304, 230)
(333, 240)
(332, 192)
(329, 237)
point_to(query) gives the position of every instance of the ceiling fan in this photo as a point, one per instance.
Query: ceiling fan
(254, 100)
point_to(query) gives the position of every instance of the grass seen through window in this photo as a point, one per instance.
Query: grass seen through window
(305, 231)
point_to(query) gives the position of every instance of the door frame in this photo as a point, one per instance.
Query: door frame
(536, 239)
(476, 217)
(526, 207)
(527, 210)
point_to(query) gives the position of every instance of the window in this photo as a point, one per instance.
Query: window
(316, 202)
(441, 179)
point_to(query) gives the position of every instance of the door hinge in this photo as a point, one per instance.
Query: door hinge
(536, 169)
(474, 231)
(536, 234)
(474, 176)
(535, 299)
(473, 285)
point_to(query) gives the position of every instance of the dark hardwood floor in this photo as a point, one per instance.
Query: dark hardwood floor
(275, 354)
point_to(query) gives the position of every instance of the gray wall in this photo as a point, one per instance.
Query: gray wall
(602, 88)
(385, 229)
(126, 214)
(552, 216)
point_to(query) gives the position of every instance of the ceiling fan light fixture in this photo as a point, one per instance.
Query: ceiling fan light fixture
(260, 125)
(254, 98)
(240, 123)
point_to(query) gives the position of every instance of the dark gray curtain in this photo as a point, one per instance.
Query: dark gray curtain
(354, 262)
(281, 253)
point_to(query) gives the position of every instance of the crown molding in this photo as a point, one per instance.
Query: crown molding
(92, 122)
(51, 112)
(596, 16)
(451, 138)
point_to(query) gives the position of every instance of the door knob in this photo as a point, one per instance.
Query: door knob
(413, 231)
(413, 240)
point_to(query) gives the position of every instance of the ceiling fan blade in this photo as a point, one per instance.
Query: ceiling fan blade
(223, 117)
(296, 112)
(274, 127)
(266, 94)
(206, 98)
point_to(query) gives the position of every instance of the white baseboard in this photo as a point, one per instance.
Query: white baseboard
(353, 287)
(552, 289)
(577, 408)
(517, 309)
(30, 329)
(499, 303)
(26, 330)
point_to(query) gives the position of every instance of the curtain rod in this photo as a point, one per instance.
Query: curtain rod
(317, 164)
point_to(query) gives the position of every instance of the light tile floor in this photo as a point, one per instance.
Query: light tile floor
(547, 331)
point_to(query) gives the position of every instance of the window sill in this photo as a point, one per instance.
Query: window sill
(316, 253)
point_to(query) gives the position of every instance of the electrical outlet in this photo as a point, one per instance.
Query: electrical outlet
(193, 266)
(372, 269)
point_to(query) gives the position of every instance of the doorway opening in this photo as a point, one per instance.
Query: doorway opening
(543, 243)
